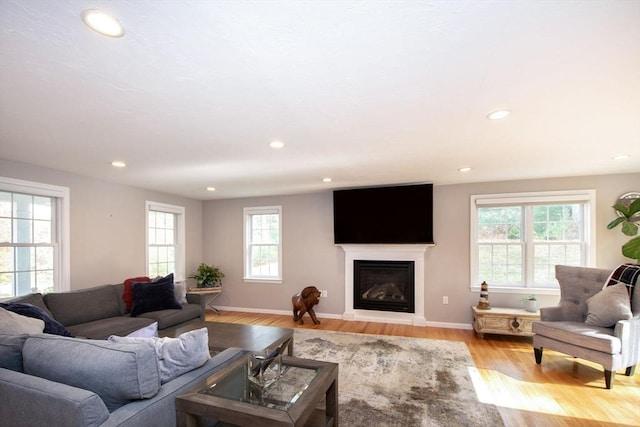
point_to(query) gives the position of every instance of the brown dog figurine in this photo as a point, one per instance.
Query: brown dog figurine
(303, 302)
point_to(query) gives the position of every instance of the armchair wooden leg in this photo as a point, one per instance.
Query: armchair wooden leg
(608, 378)
(538, 354)
(630, 371)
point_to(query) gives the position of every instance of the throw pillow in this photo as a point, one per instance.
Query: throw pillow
(153, 296)
(608, 306)
(181, 292)
(51, 325)
(147, 331)
(127, 294)
(14, 323)
(176, 356)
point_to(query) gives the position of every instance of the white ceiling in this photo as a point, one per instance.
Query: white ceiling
(364, 92)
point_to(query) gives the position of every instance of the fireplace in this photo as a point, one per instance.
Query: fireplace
(384, 285)
(405, 253)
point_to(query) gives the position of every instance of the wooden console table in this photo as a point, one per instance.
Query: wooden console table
(504, 321)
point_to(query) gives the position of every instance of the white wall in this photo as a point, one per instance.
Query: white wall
(310, 257)
(108, 225)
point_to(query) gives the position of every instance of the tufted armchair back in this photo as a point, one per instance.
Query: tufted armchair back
(577, 284)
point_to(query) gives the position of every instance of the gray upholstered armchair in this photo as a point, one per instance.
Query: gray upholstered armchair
(562, 328)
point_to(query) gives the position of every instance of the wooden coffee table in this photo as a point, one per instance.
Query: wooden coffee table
(230, 397)
(246, 337)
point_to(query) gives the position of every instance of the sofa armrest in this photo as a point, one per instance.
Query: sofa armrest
(628, 331)
(26, 397)
(198, 299)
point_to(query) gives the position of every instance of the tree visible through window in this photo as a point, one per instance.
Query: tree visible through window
(262, 243)
(519, 239)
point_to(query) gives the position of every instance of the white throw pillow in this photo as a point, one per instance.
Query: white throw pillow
(14, 323)
(180, 290)
(176, 356)
(147, 331)
(608, 306)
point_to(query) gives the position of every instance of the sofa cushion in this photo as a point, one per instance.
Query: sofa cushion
(580, 334)
(176, 356)
(171, 317)
(116, 372)
(32, 401)
(14, 323)
(11, 351)
(154, 296)
(51, 325)
(101, 329)
(127, 293)
(35, 299)
(608, 306)
(84, 305)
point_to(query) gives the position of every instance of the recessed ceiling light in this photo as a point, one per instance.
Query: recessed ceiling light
(102, 23)
(276, 144)
(463, 170)
(620, 157)
(118, 164)
(499, 114)
(326, 179)
(211, 188)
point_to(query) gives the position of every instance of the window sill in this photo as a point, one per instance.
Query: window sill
(518, 291)
(275, 281)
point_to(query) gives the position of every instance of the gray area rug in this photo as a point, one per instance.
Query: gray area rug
(398, 381)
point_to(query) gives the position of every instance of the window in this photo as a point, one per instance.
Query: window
(263, 250)
(165, 240)
(34, 238)
(517, 239)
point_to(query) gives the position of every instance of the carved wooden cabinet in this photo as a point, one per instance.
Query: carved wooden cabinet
(505, 321)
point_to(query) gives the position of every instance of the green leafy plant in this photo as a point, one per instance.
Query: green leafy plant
(529, 298)
(208, 276)
(628, 216)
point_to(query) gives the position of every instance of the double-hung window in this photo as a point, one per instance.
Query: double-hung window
(263, 249)
(165, 240)
(518, 239)
(34, 237)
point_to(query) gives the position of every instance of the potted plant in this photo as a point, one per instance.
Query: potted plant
(628, 215)
(208, 276)
(530, 303)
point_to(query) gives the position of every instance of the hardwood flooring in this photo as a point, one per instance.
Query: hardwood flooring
(562, 391)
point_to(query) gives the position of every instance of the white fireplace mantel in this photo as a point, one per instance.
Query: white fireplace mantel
(413, 253)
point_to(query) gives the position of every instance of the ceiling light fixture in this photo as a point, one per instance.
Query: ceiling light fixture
(499, 114)
(276, 144)
(102, 23)
(621, 157)
(463, 170)
(118, 164)
(211, 188)
(326, 179)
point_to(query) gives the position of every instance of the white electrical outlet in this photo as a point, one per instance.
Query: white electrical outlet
(445, 300)
(323, 294)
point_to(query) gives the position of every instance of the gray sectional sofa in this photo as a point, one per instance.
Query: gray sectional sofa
(100, 311)
(50, 380)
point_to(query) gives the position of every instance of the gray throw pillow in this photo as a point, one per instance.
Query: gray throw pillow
(176, 356)
(608, 306)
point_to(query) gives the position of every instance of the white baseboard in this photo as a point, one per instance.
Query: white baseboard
(335, 316)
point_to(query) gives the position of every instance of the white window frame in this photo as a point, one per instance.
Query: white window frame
(62, 255)
(179, 211)
(588, 197)
(248, 213)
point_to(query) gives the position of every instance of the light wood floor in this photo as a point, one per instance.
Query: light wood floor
(562, 391)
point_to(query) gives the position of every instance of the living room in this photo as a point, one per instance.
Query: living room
(107, 206)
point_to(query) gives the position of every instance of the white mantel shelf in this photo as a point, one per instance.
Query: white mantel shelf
(413, 253)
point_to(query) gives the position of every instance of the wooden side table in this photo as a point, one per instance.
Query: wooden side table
(211, 294)
(503, 321)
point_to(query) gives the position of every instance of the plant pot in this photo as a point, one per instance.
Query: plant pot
(531, 305)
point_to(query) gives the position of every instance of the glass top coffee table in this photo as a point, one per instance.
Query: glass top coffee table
(230, 397)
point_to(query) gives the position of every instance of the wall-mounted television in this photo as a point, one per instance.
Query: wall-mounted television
(400, 214)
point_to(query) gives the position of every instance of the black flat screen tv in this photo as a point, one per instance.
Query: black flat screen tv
(383, 215)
